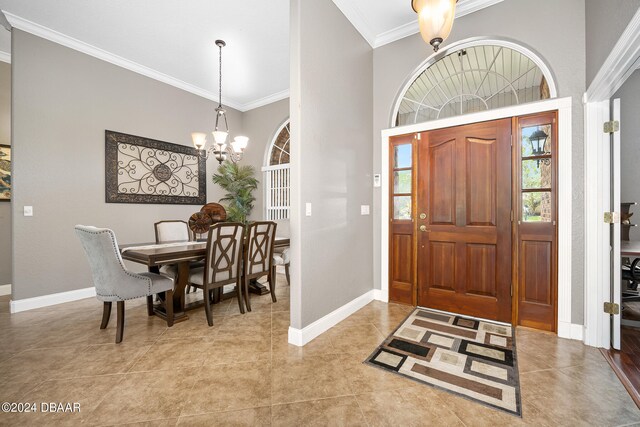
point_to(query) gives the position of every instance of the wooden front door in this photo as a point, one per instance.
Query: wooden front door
(464, 220)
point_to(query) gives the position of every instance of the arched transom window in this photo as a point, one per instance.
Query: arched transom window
(474, 77)
(279, 150)
(277, 175)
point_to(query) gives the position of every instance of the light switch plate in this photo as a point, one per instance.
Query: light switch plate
(364, 210)
(307, 209)
(28, 211)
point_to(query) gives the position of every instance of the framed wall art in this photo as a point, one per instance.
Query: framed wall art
(143, 170)
(5, 173)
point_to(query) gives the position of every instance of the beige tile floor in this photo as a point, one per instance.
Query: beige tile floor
(241, 371)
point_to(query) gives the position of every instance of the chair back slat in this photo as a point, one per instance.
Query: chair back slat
(224, 252)
(172, 231)
(259, 253)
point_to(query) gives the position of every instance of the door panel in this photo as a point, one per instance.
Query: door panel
(536, 294)
(464, 184)
(536, 272)
(481, 197)
(442, 258)
(481, 269)
(402, 241)
(443, 190)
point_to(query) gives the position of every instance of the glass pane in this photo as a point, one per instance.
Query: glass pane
(536, 140)
(402, 156)
(402, 182)
(536, 207)
(536, 174)
(402, 207)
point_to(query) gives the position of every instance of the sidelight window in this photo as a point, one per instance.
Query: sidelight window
(402, 181)
(536, 173)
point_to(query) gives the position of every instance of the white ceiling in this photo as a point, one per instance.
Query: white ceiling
(172, 42)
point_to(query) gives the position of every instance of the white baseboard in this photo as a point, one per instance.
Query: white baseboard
(300, 337)
(53, 299)
(5, 289)
(380, 295)
(570, 331)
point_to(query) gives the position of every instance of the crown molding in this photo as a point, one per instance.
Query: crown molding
(622, 61)
(266, 100)
(357, 19)
(5, 57)
(355, 15)
(397, 33)
(96, 52)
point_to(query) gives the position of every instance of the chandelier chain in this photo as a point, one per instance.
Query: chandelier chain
(220, 77)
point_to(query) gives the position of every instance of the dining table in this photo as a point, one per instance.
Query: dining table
(155, 255)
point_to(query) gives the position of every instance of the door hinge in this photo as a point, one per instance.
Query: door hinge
(512, 289)
(612, 126)
(611, 308)
(418, 138)
(611, 217)
(512, 215)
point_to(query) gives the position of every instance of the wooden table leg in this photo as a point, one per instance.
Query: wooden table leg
(178, 295)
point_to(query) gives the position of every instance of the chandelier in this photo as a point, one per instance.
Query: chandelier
(219, 148)
(435, 18)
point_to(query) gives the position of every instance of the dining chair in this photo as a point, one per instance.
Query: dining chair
(258, 257)
(222, 265)
(281, 257)
(174, 230)
(114, 282)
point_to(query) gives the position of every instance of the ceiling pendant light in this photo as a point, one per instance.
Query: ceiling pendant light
(220, 149)
(435, 18)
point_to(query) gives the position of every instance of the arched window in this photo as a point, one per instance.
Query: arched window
(473, 76)
(277, 176)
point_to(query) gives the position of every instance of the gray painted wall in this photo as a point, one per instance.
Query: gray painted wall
(331, 113)
(565, 54)
(5, 207)
(63, 102)
(605, 22)
(629, 95)
(260, 125)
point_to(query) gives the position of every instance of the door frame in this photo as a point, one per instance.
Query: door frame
(564, 107)
(619, 65)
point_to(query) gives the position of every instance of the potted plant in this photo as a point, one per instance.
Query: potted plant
(239, 183)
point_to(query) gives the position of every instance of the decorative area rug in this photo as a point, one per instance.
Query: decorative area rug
(472, 358)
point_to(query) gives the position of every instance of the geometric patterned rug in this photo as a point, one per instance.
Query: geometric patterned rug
(473, 358)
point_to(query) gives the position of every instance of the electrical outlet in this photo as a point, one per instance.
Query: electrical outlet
(364, 210)
(28, 211)
(307, 209)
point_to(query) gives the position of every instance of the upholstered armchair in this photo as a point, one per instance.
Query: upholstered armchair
(114, 282)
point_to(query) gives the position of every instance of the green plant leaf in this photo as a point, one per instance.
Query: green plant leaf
(239, 182)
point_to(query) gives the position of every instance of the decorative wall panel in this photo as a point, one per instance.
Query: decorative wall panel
(142, 170)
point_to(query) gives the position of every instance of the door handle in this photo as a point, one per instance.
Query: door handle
(423, 228)
(423, 216)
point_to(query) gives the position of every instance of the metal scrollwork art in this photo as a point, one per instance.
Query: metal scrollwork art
(142, 170)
